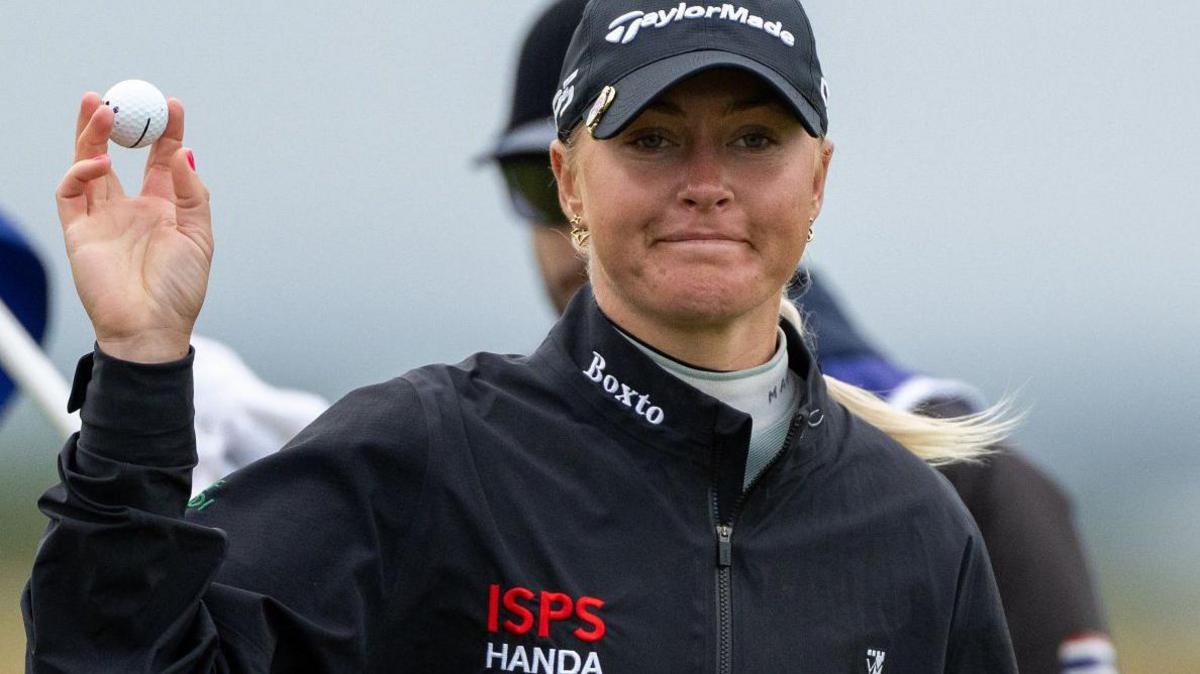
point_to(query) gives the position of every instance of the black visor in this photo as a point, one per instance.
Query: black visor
(639, 88)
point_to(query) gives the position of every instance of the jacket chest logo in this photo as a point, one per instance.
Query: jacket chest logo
(638, 402)
(520, 611)
(875, 661)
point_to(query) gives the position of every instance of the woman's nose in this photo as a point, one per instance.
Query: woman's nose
(704, 187)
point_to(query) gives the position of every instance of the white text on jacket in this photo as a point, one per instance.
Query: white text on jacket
(621, 392)
(540, 660)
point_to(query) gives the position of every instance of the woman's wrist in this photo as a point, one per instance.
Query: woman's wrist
(147, 349)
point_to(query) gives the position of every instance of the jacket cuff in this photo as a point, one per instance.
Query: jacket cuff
(133, 412)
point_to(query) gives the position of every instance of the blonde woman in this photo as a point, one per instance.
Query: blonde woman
(668, 484)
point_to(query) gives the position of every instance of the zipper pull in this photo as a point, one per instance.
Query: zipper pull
(724, 545)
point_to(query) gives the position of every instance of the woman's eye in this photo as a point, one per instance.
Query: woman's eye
(651, 141)
(754, 141)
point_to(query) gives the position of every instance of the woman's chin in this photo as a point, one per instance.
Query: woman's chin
(706, 296)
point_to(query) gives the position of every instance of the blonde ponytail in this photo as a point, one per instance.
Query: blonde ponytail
(936, 441)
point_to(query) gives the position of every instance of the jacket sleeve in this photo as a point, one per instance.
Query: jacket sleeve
(979, 639)
(280, 566)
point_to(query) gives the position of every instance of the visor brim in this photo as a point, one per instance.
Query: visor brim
(529, 138)
(639, 88)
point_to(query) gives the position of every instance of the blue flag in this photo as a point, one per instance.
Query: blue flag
(23, 288)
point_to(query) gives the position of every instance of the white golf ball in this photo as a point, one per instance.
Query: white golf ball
(140, 113)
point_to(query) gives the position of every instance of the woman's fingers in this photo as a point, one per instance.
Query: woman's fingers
(71, 195)
(192, 212)
(190, 192)
(157, 181)
(93, 139)
(87, 106)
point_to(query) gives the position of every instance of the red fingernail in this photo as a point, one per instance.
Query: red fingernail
(191, 160)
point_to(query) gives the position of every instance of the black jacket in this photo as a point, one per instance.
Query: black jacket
(578, 506)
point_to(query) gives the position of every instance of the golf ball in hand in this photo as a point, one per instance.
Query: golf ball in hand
(140, 113)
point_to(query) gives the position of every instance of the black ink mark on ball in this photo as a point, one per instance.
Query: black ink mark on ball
(139, 140)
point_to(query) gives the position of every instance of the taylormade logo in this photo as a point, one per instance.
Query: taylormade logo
(626, 27)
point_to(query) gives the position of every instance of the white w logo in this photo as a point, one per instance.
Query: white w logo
(875, 661)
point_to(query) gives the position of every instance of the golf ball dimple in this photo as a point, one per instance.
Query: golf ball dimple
(139, 113)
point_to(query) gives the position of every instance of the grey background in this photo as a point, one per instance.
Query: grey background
(1009, 204)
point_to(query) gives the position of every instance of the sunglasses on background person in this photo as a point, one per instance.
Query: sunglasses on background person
(532, 189)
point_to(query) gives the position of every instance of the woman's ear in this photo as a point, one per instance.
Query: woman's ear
(824, 156)
(569, 199)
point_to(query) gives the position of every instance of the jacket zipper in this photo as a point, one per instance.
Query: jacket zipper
(724, 601)
(725, 555)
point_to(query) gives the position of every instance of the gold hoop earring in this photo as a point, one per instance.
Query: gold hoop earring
(579, 235)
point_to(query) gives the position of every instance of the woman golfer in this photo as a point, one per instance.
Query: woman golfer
(667, 484)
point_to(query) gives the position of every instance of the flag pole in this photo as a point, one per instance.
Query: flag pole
(28, 366)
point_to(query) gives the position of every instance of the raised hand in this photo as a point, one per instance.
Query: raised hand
(140, 263)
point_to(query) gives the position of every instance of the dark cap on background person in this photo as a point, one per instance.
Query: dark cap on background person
(624, 55)
(521, 151)
(530, 127)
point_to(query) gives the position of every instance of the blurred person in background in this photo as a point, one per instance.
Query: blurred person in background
(1053, 610)
(379, 538)
(239, 417)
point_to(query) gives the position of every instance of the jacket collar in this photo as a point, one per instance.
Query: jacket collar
(611, 377)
